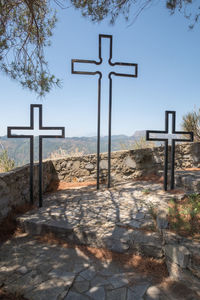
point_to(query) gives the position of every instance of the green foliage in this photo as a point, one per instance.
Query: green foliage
(191, 122)
(194, 201)
(18, 149)
(184, 216)
(146, 191)
(25, 29)
(98, 10)
(6, 164)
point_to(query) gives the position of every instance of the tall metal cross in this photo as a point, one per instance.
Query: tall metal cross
(109, 96)
(165, 138)
(30, 136)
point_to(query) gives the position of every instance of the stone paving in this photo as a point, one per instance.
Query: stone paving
(41, 271)
(119, 219)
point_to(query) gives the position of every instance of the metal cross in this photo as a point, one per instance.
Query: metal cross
(112, 65)
(30, 135)
(165, 139)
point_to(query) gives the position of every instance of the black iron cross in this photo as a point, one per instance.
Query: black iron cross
(165, 139)
(112, 65)
(30, 135)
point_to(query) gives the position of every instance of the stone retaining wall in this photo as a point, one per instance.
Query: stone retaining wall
(125, 165)
(14, 186)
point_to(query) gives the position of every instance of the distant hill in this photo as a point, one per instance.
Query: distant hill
(18, 149)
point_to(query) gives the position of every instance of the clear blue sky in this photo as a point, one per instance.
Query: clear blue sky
(168, 57)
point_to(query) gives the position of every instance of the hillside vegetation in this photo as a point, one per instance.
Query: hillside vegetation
(18, 149)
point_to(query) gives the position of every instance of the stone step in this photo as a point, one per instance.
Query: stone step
(188, 180)
(185, 179)
(118, 219)
(117, 239)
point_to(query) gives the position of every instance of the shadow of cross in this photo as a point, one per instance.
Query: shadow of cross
(30, 135)
(123, 66)
(164, 136)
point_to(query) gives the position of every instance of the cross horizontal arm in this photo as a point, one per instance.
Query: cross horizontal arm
(148, 132)
(82, 61)
(10, 135)
(190, 139)
(62, 135)
(135, 74)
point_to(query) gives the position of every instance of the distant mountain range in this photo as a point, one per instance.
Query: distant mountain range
(18, 149)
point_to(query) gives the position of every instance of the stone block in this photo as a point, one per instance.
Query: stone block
(89, 166)
(178, 254)
(96, 293)
(161, 219)
(76, 165)
(153, 293)
(103, 164)
(129, 162)
(118, 294)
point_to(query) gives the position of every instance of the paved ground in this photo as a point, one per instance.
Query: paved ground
(41, 271)
(119, 219)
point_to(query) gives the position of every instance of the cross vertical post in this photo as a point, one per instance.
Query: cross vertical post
(165, 138)
(31, 137)
(99, 73)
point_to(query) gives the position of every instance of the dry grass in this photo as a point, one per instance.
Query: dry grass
(9, 226)
(145, 265)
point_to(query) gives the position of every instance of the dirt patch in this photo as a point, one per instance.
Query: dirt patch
(63, 185)
(191, 169)
(145, 265)
(9, 226)
(152, 177)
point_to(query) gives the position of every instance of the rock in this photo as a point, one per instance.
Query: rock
(81, 286)
(118, 294)
(178, 254)
(149, 244)
(161, 220)
(171, 237)
(96, 293)
(76, 165)
(23, 270)
(89, 166)
(139, 216)
(153, 293)
(129, 162)
(75, 296)
(103, 164)
(69, 164)
(50, 289)
(118, 280)
(139, 289)
(88, 274)
(63, 164)
(134, 224)
(99, 281)
(68, 277)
